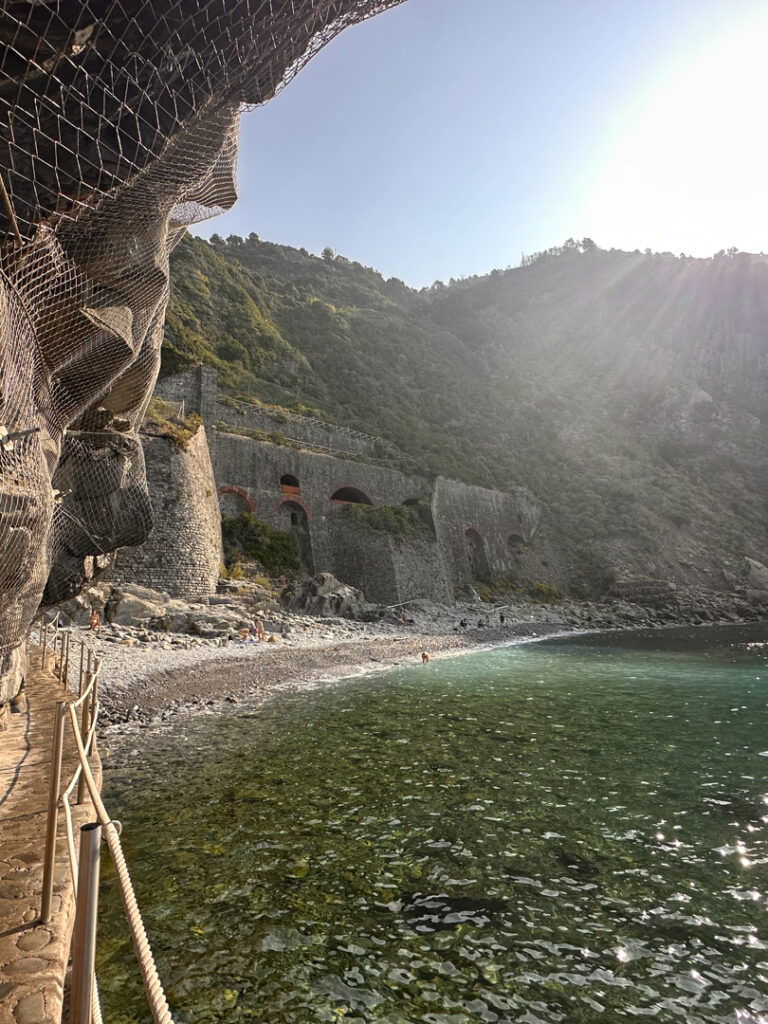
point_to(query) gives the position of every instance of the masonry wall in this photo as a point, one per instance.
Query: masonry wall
(196, 388)
(476, 531)
(258, 466)
(419, 571)
(183, 553)
(501, 520)
(300, 428)
(362, 558)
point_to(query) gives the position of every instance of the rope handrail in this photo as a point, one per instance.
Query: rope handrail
(84, 733)
(155, 996)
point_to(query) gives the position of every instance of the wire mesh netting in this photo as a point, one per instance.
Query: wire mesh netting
(118, 129)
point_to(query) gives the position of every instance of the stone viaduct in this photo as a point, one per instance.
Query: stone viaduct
(299, 474)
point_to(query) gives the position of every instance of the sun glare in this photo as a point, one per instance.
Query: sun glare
(687, 169)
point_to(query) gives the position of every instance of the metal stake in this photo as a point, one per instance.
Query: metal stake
(49, 859)
(84, 727)
(84, 935)
(66, 663)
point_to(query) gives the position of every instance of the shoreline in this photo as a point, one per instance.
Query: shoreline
(139, 695)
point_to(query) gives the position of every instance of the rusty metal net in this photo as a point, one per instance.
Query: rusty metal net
(118, 128)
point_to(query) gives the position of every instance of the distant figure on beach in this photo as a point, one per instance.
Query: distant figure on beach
(463, 623)
(258, 625)
(501, 618)
(95, 621)
(245, 635)
(424, 658)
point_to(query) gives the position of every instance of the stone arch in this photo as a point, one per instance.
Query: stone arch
(293, 501)
(477, 554)
(293, 516)
(234, 500)
(352, 495)
(289, 484)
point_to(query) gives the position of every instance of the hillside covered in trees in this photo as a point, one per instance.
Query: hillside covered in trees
(628, 391)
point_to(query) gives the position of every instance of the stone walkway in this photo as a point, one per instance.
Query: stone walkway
(33, 957)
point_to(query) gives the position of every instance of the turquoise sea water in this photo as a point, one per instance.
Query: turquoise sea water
(572, 830)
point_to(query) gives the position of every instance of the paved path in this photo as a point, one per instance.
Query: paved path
(33, 956)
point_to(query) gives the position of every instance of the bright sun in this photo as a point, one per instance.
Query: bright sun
(687, 170)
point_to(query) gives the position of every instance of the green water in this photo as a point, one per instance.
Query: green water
(572, 830)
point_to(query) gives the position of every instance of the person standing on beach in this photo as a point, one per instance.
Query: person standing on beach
(258, 626)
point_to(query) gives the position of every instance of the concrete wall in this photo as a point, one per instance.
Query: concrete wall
(183, 553)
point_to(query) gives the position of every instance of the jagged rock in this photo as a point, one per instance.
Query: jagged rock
(129, 605)
(757, 575)
(324, 595)
(757, 597)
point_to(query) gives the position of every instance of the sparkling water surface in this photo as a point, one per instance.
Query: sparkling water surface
(571, 830)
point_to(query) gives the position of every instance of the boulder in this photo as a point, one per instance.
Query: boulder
(130, 605)
(324, 595)
(757, 574)
(175, 618)
(217, 621)
(77, 610)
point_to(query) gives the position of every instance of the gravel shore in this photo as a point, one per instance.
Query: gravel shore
(149, 677)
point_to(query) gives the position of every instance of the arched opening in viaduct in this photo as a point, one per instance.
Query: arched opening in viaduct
(293, 517)
(289, 484)
(233, 501)
(351, 494)
(477, 554)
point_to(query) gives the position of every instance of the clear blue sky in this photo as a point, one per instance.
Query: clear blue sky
(445, 137)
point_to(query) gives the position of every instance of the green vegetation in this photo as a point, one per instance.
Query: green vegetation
(247, 537)
(401, 522)
(625, 390)
(544, 593)
(162, 420)
(505, 585)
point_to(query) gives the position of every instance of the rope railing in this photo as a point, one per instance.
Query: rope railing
(82, 714)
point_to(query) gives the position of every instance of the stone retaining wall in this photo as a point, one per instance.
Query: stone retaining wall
(476, 532)
(183, 554)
